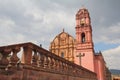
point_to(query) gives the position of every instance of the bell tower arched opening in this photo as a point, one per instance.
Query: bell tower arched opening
(83, 37)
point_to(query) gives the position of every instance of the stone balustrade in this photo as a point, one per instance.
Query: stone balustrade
(39, 59)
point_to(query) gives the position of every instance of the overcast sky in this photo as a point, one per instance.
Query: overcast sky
(39, 21)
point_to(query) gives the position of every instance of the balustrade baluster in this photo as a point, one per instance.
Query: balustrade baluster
(14, 58)
(82, 72)
(41, 61)
(69, 69)
(51, 63)
(56, 65)
(65, 67)
(4, 61)
(73, 70)
(46, 62)
(35, 58)
(62, 66)
(79, 73)
(59, 66)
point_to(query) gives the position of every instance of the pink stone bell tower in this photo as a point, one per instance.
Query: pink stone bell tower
(84, 53)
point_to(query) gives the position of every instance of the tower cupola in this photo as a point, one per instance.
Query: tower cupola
(83, 18)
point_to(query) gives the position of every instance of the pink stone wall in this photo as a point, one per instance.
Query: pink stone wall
(87, 60)
(100, 67)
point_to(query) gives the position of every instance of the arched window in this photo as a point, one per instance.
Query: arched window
(62, 55)
(83, 37)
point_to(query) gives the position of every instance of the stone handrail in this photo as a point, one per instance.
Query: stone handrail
(37, 58)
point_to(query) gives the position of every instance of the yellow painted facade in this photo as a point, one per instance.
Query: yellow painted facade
(63, 45)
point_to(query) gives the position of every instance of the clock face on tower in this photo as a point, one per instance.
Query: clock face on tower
(82, 21)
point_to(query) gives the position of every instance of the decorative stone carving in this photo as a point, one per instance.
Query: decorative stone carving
(4, 61)
(14, 59)
(63, 46)
(34, 58)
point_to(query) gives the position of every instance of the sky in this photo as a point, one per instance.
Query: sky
(39, 21)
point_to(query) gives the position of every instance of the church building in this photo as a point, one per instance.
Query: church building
(80, 50)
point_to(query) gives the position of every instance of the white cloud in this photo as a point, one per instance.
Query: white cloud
(25, 21)
(41, 16)
(112, 58)
(108, 34)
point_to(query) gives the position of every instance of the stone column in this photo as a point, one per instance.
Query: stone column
(27, 55)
